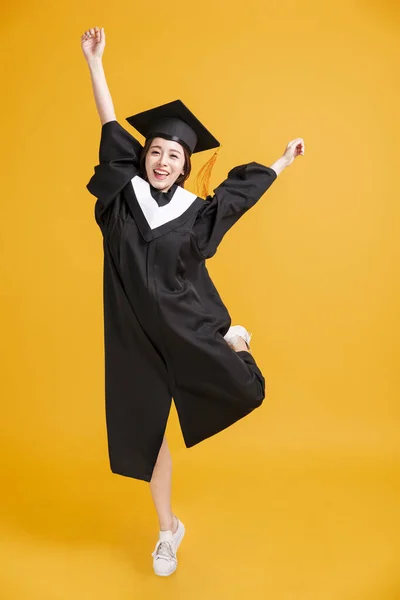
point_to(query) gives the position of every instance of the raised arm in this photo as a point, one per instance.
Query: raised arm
(93, 42)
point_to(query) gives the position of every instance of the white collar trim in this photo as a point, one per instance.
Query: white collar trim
(158, 215)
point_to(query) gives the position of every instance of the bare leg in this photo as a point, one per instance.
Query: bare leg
(160, 487)
(160, 484)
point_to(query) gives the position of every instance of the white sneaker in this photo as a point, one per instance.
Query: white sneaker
(164, 555)
(238, 330)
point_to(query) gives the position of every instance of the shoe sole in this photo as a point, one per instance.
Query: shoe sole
(166, 574)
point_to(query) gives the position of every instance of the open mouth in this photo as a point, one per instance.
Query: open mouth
(160, 175)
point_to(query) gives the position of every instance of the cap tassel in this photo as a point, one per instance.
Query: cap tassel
(203, 176)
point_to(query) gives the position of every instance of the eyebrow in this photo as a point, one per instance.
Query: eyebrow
(171, 150)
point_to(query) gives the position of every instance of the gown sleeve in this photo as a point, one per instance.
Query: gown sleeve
(244, 185)
(119, 157)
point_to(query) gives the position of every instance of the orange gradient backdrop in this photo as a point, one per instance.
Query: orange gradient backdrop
(299, 501)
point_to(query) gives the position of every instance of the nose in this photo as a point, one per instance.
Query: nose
(162, 160)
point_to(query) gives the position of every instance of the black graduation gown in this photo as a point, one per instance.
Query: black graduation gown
(164, 320)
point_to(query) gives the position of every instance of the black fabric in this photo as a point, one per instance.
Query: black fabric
(162, 198)
(141, 223)
(174, 121)
(164, 320)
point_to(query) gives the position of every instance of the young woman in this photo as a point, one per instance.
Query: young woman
(166, 330)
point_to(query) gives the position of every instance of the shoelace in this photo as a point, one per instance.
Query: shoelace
(164, 550)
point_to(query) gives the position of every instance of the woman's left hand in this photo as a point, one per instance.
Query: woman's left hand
(293, 149)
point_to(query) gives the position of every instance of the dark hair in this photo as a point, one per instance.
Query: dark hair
(180, 180)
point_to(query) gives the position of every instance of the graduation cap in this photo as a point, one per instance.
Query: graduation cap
(174, 121)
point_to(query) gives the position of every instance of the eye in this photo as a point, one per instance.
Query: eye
(155, 152)
(174, 156)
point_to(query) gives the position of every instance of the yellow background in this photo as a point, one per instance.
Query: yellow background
(298, 501)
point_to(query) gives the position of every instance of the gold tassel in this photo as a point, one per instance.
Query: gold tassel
(203, 176)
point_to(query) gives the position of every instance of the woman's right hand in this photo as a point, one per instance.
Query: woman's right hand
(93, 42)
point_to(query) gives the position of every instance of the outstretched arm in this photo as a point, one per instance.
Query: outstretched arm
(93, 42)
(243, 187)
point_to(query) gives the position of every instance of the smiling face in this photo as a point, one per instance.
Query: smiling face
(165, 162)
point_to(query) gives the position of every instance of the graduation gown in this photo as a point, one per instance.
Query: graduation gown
(164, 320)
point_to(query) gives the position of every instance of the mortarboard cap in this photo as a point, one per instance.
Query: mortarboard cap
(174, 121)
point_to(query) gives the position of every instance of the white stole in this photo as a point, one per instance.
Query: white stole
(158, 215)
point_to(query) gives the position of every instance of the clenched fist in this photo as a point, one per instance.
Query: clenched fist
(293, 149)
(93, 42)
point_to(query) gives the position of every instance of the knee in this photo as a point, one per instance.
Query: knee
(260, 392)
(258, 401)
